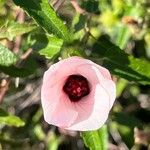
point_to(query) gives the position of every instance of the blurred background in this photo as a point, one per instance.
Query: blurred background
(125, 22)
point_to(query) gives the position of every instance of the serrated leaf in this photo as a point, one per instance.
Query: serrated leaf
(10, 120)
(96, 140)
(12, 29)
(52, 48)
(45, 16)
(120, 63)
(7, 57)
(46, 45)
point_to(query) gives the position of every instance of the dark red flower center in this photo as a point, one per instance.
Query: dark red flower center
(76, 87)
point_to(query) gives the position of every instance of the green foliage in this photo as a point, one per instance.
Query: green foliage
(11, 29)
(123, 36)
(10, 120)
(127, 120)
(39, 132)
(108, 18)
(79, 22)
(72, 51)
(48, 46)
(114, 34)
(7, 57)
(125, 124)
(96, 140)
(121, 85)
(91, 6)
(120, 63)
(45, 16)
(53, 141)
(26, 68)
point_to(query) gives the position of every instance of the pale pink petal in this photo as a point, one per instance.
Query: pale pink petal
(64, 114)
(104, 72)
(108, 85)
(110, 88)
(92, 101)
(88, 104)
(52, 90)
(57, 107)
(92, 110)
(99, 113)
(54, 79)
(85, 106)
(50, 96)
(62, 69)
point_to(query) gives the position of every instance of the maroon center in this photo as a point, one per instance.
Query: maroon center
(76, 87)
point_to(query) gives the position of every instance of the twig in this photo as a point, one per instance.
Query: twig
(33, 98)
(57, 4)
(20, 18)
(26, 54)
(3, 88)
(77, 7)
(141, 137)
(117, 138)
(113, 147)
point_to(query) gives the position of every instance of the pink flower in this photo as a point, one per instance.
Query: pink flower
(77, 94)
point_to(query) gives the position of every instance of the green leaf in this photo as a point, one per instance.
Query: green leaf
(96, 140)
(38, 131)
(104, 5)
(120, 86)
(127, 120)
(53, 141)
(79, 22)
(120, 63)
(2, 2)
(28, 67)
(49, 46)
(45, 16)
(12, 29)
(7, 57)
(123, 36)
(125, 124)
(91, 6)
(10, 120)
(72, 51)
(46, 45)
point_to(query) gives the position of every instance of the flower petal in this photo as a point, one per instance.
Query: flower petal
(110, 88)
(91, 111)
(99, 113)
(84, 107)
(64, 114)
(104, 71)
